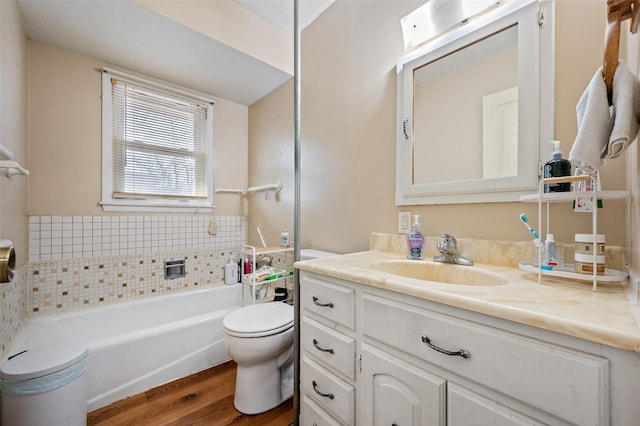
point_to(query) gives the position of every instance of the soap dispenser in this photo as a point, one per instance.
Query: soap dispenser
(415, 239)
(557, 167)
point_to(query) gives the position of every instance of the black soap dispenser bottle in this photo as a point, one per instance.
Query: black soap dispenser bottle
(557, 167)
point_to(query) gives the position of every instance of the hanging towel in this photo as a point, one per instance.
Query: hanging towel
(594, 126)
(605, 133)
(625, 112)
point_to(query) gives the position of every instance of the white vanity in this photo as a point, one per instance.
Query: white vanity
(385, 349)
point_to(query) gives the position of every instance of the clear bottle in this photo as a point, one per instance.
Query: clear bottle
(415, 239)
(284, 238)
(550, 252)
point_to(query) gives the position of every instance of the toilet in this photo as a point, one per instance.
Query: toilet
(259, 339)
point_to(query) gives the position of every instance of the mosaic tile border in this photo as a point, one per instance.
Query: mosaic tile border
(13, 308)
(75, 284)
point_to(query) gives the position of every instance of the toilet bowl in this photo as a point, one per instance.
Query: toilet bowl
(259, 339)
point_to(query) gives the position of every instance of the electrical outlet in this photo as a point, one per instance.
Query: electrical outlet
(404, 222)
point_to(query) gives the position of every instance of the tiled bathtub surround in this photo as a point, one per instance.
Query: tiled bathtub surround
(13, 303)
(85, 261)
(81, 237)
(72, 284)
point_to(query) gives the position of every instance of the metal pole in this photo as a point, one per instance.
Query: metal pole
(296, 210)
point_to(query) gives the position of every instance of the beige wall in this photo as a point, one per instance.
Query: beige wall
(65, 136)
(13, 127)
(271, 159)
(348, 136)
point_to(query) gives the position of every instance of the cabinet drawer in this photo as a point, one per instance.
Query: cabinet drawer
(312, 414)
(571, 385)
(329, 346)
(328, 391)
(331, 301)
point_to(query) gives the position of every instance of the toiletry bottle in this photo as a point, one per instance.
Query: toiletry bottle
(415, 239)
(231, 272)
(557, 167)
(550, 252)
(284, 238)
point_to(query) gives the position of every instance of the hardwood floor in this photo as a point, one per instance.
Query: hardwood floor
(205, 398)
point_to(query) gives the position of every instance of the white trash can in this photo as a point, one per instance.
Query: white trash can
(45, 386)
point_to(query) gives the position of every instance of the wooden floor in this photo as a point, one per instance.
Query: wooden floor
(205, 398)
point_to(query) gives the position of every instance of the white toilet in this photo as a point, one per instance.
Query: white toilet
(259, 339)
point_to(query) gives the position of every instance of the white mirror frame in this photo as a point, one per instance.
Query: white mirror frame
(536, 43)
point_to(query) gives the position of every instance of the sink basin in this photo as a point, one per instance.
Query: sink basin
(439, 272)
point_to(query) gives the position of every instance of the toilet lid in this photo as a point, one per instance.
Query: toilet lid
(260, 319)
(40, 361)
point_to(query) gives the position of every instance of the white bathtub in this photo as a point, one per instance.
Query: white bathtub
(134, 346)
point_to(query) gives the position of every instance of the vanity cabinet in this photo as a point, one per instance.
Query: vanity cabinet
(328, 345)
(376, 357)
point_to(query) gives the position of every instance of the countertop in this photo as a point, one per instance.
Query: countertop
(565, 306)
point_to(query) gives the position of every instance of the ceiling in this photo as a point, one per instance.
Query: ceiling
(280, 12)
(127, 34)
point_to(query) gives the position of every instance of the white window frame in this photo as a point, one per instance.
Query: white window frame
(151, 204)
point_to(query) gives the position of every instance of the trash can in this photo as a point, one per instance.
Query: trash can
(45, 386)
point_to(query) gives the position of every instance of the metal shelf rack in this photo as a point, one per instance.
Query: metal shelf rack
(556, 197)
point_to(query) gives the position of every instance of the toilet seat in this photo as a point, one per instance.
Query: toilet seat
(264, 319)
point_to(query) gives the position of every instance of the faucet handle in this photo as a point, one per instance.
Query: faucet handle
(449, 239)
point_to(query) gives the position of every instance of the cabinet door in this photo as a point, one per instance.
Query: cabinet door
(398, 393)
(467, 408)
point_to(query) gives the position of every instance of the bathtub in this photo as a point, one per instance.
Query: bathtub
(134, 346)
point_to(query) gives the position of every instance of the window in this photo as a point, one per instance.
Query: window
(157, 146)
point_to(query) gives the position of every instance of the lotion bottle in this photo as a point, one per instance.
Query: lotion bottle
(415, 239)
(557, 167)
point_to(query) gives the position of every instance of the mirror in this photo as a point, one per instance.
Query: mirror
(471, 123)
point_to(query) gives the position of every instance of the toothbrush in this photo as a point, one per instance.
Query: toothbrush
(525, 221)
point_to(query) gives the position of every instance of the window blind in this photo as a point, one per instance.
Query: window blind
(158, 144)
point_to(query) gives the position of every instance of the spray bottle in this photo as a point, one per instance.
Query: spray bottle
(557, 167)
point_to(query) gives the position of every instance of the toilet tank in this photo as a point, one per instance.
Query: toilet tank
(307, 254)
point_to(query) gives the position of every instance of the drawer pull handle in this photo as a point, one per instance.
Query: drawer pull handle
(321, 349)
(462, 352)
(324, 305)
(326, 395)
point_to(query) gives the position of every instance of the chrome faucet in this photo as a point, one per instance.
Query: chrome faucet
(448, 249)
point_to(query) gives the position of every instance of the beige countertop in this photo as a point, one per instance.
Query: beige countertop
(565, 306)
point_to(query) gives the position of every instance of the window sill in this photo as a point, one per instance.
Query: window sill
(155, 206)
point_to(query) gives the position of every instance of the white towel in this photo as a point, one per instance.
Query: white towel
(594, 126)
(605, 133)
(625, 111)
